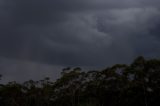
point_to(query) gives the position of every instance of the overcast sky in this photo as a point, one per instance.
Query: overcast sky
(40, 37)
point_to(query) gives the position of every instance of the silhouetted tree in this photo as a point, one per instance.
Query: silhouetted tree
(137, 84)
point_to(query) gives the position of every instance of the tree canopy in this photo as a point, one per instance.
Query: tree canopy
(137, 84)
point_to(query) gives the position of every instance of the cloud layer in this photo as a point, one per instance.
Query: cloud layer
(92, 33)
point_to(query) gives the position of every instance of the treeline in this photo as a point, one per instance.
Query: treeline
(137, 84)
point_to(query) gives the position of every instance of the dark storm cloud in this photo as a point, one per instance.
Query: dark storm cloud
(79, 32)
(134, 28)
(25, 24)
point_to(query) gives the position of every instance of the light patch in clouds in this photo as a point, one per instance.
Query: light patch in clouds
(18, 70)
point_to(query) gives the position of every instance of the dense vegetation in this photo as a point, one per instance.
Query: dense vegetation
(137, 84)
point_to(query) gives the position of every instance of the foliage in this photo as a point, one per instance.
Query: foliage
(137, 84)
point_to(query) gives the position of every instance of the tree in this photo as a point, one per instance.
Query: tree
(137, 84)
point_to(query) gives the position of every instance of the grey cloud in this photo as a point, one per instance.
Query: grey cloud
(134, 28)
(86, 33)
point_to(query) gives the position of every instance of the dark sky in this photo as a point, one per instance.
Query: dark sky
(39, 37)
